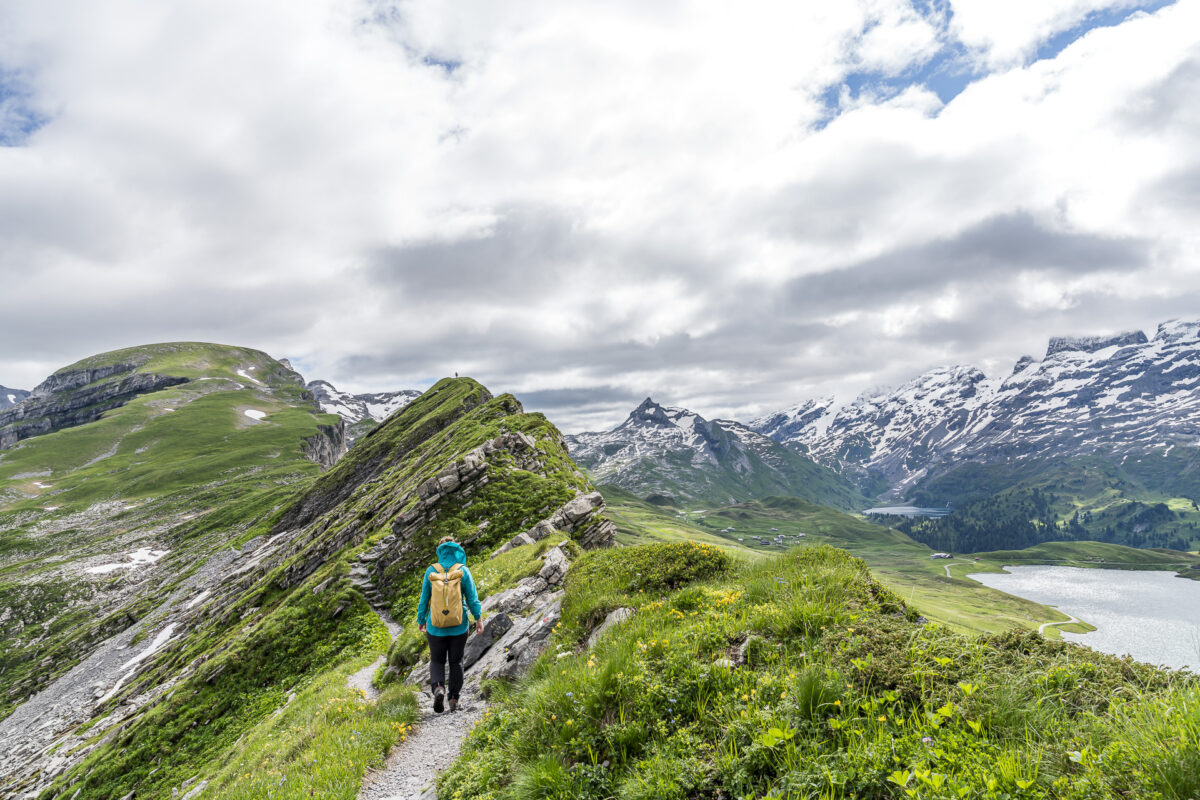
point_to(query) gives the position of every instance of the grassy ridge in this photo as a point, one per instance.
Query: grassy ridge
(842, 694)
(282, 639)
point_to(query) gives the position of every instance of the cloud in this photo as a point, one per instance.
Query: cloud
(587, 203)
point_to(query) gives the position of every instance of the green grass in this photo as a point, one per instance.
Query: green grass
(898, 562)
(320, 745)
(842, 695)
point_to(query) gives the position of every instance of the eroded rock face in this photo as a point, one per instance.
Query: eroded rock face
(74, 397)
(328, 445)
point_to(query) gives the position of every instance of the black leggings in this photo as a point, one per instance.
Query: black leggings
(439, 648)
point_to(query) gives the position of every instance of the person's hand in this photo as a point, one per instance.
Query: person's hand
(421, 628)
(479, 626)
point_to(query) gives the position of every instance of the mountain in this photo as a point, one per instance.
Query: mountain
(1116, 414)
(184, 551)
(680, 455)
(10, 397)
(362, 412)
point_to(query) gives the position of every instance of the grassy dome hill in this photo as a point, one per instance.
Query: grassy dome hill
(179, 469)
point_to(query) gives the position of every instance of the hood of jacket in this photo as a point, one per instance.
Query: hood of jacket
(451, 553)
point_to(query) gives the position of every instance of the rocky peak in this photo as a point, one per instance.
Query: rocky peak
(1090, 344)
(1178, 331)
(648, 413)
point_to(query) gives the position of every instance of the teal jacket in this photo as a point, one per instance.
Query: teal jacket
(449, 554)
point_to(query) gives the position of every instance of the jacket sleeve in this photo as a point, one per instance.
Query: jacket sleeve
(423, 606)
(472, 598)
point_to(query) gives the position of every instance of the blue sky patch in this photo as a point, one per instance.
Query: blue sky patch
(952, 68)
(18, 118)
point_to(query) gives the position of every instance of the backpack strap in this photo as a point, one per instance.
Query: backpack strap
(456, 567)
(439, 569)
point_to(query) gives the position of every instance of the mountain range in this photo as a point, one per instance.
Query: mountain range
(677, 455)
(1096, 439)
(1126, 398)
(361, 412)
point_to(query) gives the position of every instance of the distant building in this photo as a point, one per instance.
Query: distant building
(941, 555)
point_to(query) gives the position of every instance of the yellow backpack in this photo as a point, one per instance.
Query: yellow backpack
(445, 597)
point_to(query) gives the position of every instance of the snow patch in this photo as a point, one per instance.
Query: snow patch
(248, 376)
(138, 558)
(254, 414)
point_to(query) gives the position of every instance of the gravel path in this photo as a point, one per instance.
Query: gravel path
(411, 767)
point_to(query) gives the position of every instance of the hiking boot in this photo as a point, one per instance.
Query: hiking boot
(454, 704)
(438, 695)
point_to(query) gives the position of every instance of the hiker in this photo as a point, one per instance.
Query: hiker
(447, 593)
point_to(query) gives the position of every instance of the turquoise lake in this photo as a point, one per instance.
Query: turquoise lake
(1152, 616)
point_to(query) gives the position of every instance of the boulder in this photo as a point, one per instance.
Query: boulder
(479, 643)
(516, 599)
(555, 567)
(541, 531)
(615, 617)
(582, 505)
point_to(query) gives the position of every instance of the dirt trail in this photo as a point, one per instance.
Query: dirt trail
(1071, 621)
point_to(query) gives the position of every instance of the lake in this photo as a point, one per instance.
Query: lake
(909, 511)
(1152, 616)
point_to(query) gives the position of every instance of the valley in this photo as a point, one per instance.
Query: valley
(207, 588)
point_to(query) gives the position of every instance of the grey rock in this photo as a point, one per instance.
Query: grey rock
(479, 644)
(555, 567)
(195, 791)
(582, 506)
(541, 531)
(615, 617)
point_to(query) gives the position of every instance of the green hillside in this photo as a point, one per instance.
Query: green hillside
(258, 674)
(1153, 501)
(900, 563)
(182, 470)
(801, 676)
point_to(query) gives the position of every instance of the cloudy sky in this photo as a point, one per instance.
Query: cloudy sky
(730, 206)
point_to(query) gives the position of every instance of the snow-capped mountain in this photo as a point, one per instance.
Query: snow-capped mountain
(1122, 397)
(362, 412)
(10, 397)
(677, 453)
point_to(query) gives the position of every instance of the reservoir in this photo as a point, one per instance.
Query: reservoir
(1152, 616)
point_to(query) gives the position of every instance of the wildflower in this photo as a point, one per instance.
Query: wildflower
(881, 719)
(927, 740)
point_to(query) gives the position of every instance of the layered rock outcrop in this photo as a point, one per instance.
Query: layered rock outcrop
(76, 397)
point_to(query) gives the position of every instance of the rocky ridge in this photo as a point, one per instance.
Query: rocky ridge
(76, 397)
